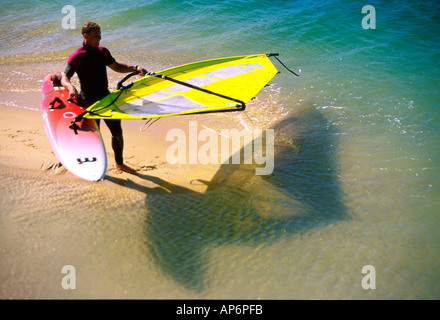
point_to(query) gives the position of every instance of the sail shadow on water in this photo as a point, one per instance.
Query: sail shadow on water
(241, 208)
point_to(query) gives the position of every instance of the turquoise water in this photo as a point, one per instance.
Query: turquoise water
(356, 179)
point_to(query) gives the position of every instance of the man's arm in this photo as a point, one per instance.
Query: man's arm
(124, 68)
(65, 82)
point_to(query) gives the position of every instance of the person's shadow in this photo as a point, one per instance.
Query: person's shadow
(241, 208)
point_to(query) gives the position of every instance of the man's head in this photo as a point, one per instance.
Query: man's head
(91, 32)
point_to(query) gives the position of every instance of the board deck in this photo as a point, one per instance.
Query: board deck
(82, 152)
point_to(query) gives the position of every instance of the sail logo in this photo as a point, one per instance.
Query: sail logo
(81, 161)
(228, 146)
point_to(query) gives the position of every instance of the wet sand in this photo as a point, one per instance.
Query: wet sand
(42, 201)
(51, 218)
(25, 146)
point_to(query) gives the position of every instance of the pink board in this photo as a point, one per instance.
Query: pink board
(81, 152)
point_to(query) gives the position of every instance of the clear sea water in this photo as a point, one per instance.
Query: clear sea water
(357, 167)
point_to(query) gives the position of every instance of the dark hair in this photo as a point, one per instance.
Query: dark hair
(89, 26)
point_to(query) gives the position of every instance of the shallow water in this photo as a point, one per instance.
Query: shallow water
(356, 171)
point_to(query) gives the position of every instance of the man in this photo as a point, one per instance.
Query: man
(90, 62)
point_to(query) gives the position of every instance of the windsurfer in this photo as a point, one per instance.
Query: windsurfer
(90, 62)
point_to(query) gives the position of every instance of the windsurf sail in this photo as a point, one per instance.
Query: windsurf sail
(217, 85)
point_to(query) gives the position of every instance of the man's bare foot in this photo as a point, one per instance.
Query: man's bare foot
(125, 168)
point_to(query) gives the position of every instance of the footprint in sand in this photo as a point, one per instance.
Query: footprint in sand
(137, 168)
(57, 167)
(24, 136)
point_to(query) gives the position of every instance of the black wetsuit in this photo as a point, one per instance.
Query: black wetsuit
(90, 64)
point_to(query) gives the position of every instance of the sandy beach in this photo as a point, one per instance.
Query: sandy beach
(51, 218)
(353, 181)
(25, 146)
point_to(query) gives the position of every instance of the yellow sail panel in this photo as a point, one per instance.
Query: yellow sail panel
(205, 86)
